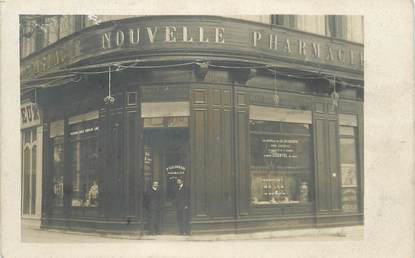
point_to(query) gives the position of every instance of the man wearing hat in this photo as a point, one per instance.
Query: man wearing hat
(183, 207)
(153, 206)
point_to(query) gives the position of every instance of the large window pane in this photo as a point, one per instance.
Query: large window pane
(34, 134)
(272, 189)
(26, 180)
(33, 182)
(84, 147)
(27, 137)
(280, 162)
(348, 166)
(58, 160)
(348, 151)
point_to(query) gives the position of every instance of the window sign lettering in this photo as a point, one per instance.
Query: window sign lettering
(29, 114)
(173, 173)
(86, 130)
(175, 170)
(280, 150)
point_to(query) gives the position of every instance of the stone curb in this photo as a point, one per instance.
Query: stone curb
(341, 232)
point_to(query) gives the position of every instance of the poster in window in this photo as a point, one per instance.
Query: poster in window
(348, 175)
(349, 199)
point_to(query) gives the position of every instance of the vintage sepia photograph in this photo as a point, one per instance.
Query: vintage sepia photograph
(191, 127)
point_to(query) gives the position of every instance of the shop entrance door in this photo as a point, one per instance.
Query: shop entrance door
(166, 155)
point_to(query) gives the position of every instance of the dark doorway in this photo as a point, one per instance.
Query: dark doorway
(166, 155)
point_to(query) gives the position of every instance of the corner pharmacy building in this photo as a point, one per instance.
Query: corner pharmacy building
(264, 124)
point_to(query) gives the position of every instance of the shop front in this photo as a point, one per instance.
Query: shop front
(31, 150)
(264, 125)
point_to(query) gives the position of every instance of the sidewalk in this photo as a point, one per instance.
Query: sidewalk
(354, 233)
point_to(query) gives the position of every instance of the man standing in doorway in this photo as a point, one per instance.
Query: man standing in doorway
(182, 207)
(153, 205)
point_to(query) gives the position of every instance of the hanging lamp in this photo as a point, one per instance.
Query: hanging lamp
(108, 100)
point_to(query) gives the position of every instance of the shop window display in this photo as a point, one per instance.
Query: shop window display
(148, 166)
(58, 162)
(84, 147)
(26, 180)
(33, 179)
(348, 167)
(29, 152)
(280, 162)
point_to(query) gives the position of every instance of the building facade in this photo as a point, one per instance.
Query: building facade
(262, 116)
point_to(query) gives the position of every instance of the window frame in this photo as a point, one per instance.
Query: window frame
(336, 26)
(29, 189)
(255, 170)
(357, 161)
(78, 140)
(55, 141)
(289, 21)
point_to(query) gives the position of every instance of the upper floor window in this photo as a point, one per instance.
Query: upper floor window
(284, 20)
(80, 22)
(40, 33)
(47, 29)
(336, 26)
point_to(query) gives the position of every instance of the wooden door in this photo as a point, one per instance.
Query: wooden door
(166, 159)
(328, 198)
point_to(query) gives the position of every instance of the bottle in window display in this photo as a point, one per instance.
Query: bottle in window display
(266, 190)
(93, 194)
(280, 196)
(290, 188)
(279, 193)
(304, 192)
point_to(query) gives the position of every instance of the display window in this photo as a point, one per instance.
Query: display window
(280, 162)
(29, 171)
(57, 152)
(348, 166)
(58, 170)
(84, 148)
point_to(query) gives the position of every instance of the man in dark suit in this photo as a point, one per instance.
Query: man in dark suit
(153, 202)
(183, 207)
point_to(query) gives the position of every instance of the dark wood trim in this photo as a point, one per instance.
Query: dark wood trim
(360, 165)
(67, 170)
(47, 171)
(217, 111)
